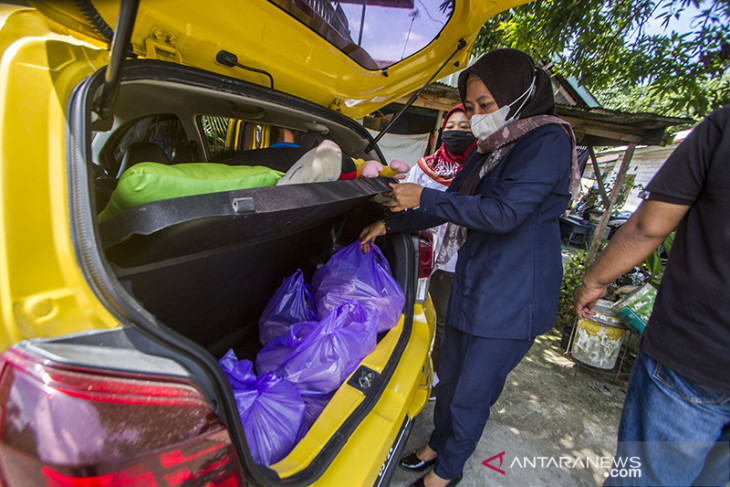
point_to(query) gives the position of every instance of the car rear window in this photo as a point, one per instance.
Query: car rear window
(374, 33)
(225, 136)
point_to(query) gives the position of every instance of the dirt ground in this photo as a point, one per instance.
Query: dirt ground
(555, 424)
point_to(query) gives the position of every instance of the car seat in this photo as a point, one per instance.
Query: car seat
(137, 152)
(142, 152)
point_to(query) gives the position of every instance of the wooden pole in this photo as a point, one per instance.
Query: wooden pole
(618, 185)
(599, 176)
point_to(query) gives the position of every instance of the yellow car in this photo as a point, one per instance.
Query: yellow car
(118, 299)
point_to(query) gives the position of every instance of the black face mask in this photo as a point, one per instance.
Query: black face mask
(457, 141)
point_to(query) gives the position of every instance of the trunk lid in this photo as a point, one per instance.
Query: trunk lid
(351, 56)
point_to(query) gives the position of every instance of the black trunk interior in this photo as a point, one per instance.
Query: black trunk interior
(206, 266)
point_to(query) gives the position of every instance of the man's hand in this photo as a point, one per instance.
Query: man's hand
(586, 296)
(635, 240)
(403, 196)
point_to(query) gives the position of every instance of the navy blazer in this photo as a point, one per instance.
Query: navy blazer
(509, 270)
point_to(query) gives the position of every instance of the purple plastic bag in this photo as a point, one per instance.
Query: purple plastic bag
(313, 407)
(239, 372)
(271, 410)
(291, 303)
(278, 349)
(318, 362)
(351, 275)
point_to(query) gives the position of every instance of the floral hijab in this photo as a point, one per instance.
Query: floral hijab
(443, 165)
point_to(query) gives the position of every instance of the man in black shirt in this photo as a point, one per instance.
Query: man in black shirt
(675, 426)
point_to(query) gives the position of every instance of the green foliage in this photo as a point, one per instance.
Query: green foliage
(651, 269)
(708, 93)
(603, 43)
(575, 267)
(623, 194)
(653, 266)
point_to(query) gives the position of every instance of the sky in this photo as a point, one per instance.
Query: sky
(682, 25)
(391, 34)
(394, 33)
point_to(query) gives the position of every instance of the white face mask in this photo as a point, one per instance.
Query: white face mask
(484, 125)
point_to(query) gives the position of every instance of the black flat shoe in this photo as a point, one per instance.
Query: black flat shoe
(412, 462)
(452, 482)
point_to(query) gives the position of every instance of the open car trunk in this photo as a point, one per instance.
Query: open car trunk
(205, 266)
(207, 270)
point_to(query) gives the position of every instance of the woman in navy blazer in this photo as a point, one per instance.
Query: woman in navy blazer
(502, 210)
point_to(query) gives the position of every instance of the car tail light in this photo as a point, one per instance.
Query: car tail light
(63, 427)
(425, 263)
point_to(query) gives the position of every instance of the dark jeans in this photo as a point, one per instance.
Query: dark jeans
(472, 374)
(673, 431)
(440, 290)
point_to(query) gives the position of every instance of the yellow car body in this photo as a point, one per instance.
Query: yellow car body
(46, 290)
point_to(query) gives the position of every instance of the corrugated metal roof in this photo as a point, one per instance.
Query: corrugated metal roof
(644, 120)
(583, 92)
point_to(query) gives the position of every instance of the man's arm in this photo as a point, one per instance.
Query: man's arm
(634, 241)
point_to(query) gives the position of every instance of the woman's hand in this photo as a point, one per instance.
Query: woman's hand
(403, 196)
(369, 233)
